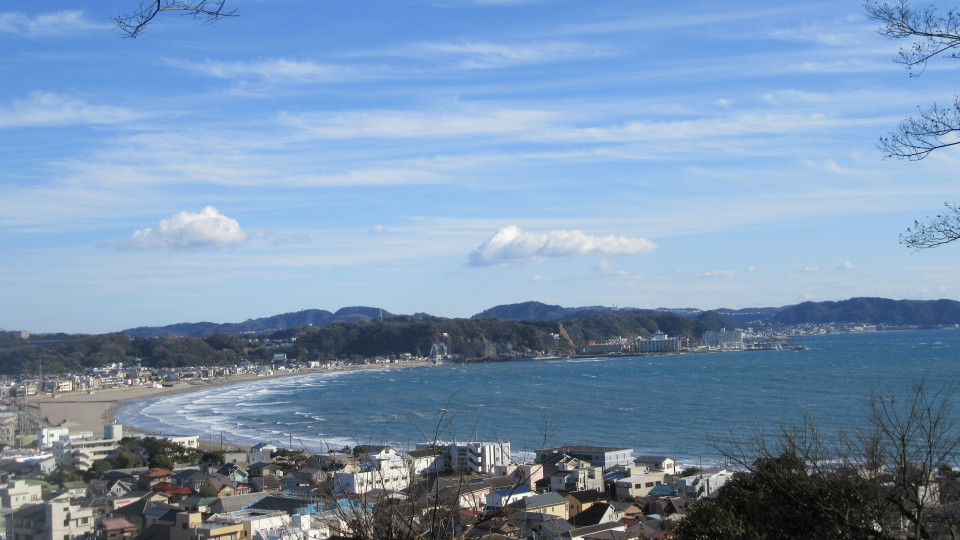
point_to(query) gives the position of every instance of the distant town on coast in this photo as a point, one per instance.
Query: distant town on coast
(363, 335)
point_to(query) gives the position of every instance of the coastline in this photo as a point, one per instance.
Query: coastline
(82, 411)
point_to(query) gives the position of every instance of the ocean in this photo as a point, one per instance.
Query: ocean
(681, 405)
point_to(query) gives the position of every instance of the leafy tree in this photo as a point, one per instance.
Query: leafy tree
(62, 474)
(930, 33)
(99, 468)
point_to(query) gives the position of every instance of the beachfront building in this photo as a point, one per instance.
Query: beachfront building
(657, 463)
(81, 453)
(474, 457)
(46, 436)
(658, 343)
(388, 472)
(723, 339)
(706, 483)
(598, 456)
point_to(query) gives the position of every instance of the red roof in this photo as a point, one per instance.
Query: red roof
(114, 524)
(157, 472)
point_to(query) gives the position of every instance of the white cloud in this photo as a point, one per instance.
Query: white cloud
(207, 228)
(811, 269)
(511, 245)
(279, 70)
(480, 55)
(47, 109)
(47, 24)
(378, 229)
(606, 268)
(416, 124)
(719, 273)
(847, 265)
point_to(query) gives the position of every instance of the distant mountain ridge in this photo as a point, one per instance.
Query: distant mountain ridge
(855, 310)
(307, 317)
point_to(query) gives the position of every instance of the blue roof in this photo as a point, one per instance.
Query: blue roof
(662, 490)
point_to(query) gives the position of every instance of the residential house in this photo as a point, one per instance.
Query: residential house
(430, 460)
(657, 463)
(639, 482)
(151, 477)
(705, 483)
(115, 529)
(504, 496)
(217, 486)
(234, 472)
(527, 474)
(576, 475)
(582, 500)
(264, 469)
(548, 503)
(190, 526)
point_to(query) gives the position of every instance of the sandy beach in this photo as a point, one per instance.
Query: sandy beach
(81, 411)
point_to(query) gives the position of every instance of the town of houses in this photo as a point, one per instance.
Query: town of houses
(565, 492)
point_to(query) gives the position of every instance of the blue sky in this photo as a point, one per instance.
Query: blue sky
(446, 156)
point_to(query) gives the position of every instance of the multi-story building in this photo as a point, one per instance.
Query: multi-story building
(475, 457)
(658, 343)
(598, 456)
(723, 339)
(577, 476)
(388, 473)
(81, 453)
(639, 483)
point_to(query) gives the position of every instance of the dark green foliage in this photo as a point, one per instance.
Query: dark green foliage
(62, 474)
(288, 460)
(780, 499)
(126, 460)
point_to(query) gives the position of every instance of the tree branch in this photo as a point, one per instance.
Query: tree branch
(210, 11)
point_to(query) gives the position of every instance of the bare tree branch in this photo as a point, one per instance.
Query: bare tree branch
(210, 11)
(935, 231)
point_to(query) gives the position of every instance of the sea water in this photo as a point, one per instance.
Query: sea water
(681, 405)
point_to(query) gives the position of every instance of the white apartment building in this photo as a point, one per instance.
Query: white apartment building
(724, 339)
(388, 473)
(18, 493)
(475, 457)
(705, 483)
(81, 453)
(659, 342)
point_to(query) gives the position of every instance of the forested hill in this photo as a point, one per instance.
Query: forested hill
(307, 317)
(470, 339)
(920, 313)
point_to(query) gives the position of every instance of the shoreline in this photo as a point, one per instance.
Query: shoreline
(81, 411)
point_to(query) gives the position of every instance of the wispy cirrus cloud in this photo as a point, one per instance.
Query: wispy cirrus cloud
(54, 24)
(484, 55)
(718, 273)
(280, 70)
(512, 246)
(407, 124)
(189, 230)
(48, 109)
